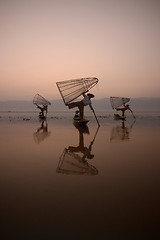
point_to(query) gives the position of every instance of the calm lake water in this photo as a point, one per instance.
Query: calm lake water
(61, 181)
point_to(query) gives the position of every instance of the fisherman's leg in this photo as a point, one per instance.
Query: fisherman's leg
(81, 110)
(81, 141)
(43, 113)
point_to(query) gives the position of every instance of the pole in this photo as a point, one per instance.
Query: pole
(133, 115)
(95, 116)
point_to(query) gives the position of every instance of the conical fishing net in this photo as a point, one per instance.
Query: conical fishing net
(72, 163)
(71, 89)
(118, 101)
(38, 99)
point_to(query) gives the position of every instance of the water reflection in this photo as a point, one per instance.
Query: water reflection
(121, 133)
(42, 132)
(74, 158)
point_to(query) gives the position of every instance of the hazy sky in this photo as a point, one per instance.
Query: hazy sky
(45, 41)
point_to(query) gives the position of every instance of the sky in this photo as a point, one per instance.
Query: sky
(46, 41)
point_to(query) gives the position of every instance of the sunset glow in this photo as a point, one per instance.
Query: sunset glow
(46, 41)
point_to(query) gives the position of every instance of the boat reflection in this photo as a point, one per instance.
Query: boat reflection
(42, 132)
(74, 159)
(121, 133)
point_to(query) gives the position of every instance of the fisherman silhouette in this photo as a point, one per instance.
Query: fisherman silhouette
(42, 132)
(80, 104)
(43, 109)
(43, 128)
(74, 160)
(123, 109)
(121, 132)
(86, 151)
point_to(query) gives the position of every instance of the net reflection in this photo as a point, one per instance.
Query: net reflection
(121, 133)
(74, 159)
(42, 132)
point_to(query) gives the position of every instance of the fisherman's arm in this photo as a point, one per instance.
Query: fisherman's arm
(84, 93)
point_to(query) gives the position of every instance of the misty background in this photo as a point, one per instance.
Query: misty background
(103, 104)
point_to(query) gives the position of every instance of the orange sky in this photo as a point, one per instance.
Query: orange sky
(45, 41)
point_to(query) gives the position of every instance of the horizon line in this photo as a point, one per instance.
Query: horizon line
(53, 99)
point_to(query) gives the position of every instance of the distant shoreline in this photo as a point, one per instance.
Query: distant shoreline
(103, 104)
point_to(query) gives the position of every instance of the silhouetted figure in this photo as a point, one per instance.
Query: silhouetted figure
(43, 109)
(123, 109)
(121, 133)
(42, 132)
(73, 162)
(43, 128)
(80, 104)
(81, 148)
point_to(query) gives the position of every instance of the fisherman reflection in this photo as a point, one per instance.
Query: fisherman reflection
(42, 132)
(86, 151)
(74, 159)
(121, 133)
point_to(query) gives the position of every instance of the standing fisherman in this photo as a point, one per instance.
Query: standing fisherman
(125, 107)
(43, 109)
(80, 104)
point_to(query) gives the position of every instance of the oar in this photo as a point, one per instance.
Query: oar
(133, 114)
(95, 116)
(95, 134)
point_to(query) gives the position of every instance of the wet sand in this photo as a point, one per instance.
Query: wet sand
(61, 181)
